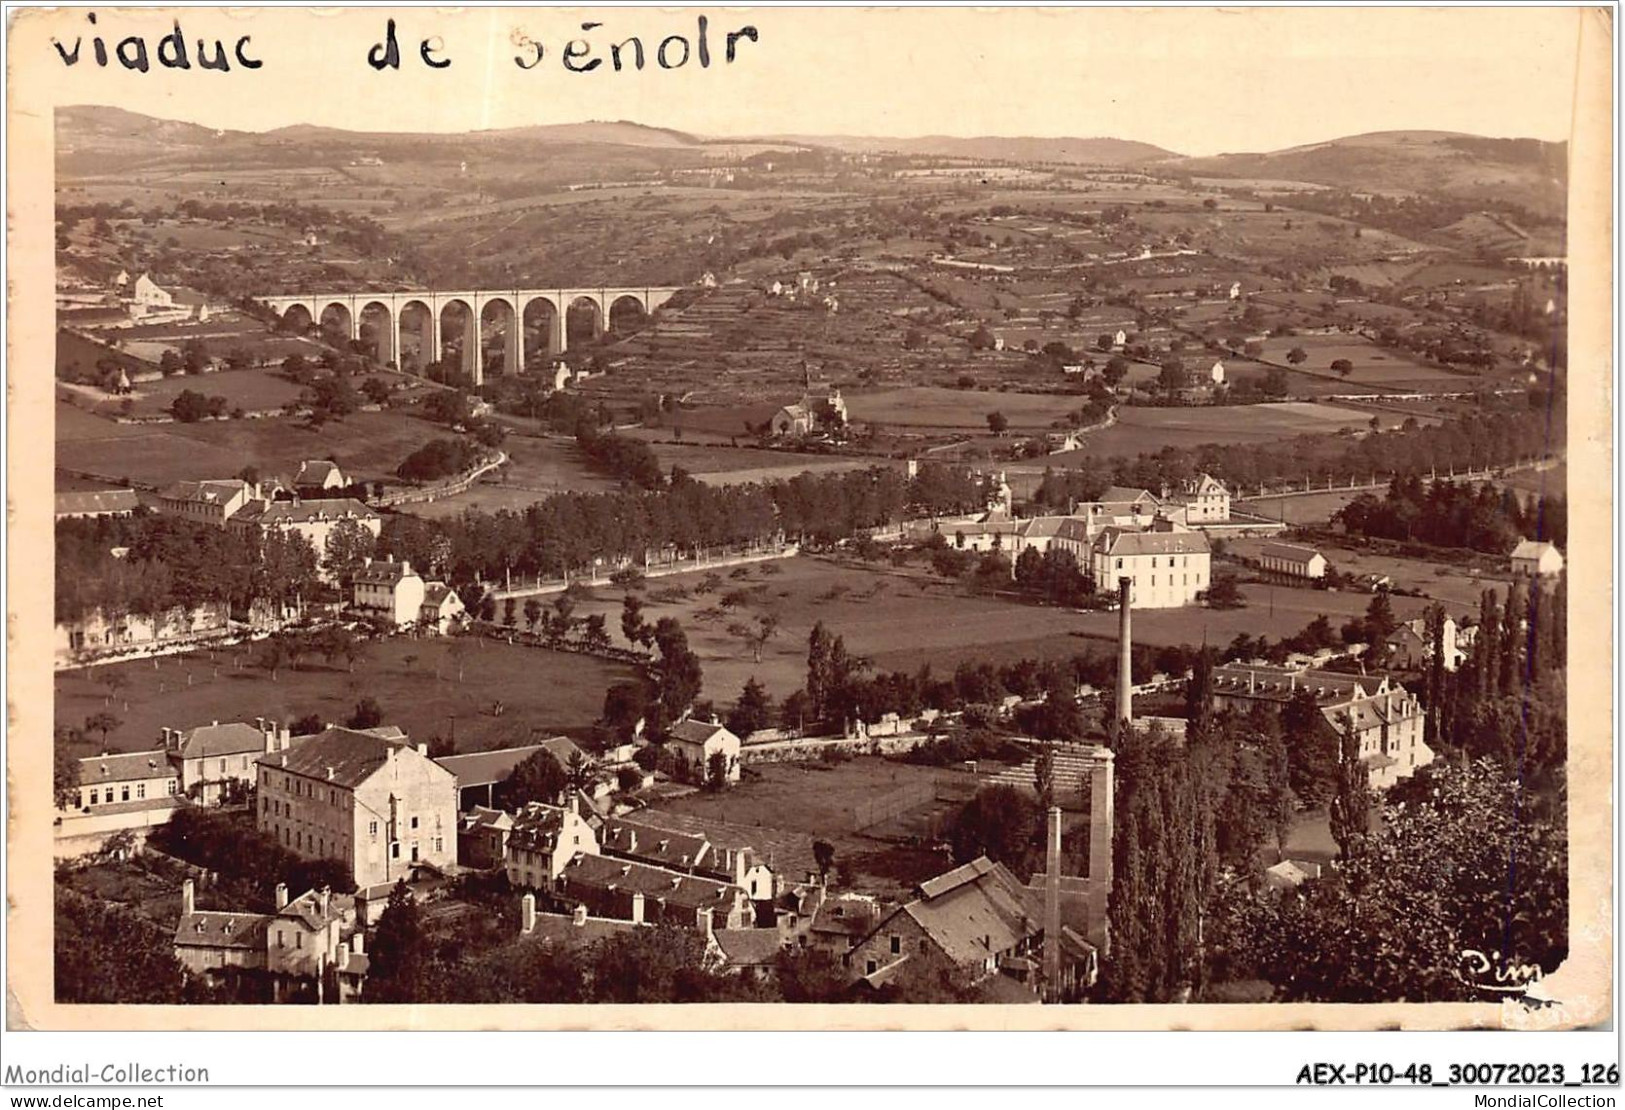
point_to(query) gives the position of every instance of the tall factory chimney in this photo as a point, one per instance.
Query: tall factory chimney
(1125, 643)
(1052, 909)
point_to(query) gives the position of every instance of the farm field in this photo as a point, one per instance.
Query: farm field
(1273, 611)
(415, 681)
(368, 444)
(904, 619)
(251, 390)
(1308, 508)
(1458, 587)
(881, 612)
(1373, 365)
(958, 409)
(1147, 430)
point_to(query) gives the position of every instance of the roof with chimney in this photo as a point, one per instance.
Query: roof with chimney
(94, 502)
(231, 738)
(341, 756)
(211, 491)
(975, 911)
(382, 572)
(1120, 542)
(484, 817)
(222, 929)
(676, 890)
(563, 928)
(537, 827)
(1273, 683)
(305, 511)
(847, 914)
(786, 852)
(655, 845)
(124, 767)
(749, 947)
(692, 731)
(309, 911)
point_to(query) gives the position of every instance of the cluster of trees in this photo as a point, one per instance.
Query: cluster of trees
(567, 532)
(1498, 433)
(1184, 813)
(1466, 859)
(1457, 514)
(1508, 702)
(190, 406)
(250, 863)
(630, 460)
(169, 562)
(108, 953)
(439, 458)
(1054, 577)
(290, 647)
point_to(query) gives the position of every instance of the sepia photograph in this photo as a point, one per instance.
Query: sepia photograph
(1016, 512)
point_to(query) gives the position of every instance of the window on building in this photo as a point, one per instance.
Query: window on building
(869, 967)
(414, 851)
(372, 828)
(222, 766)
(896, 945)
(439, 845)
(172, 786)
(395, 850)
(298, 940)
(414, 822)
(281, 941)
(94, 795)
(140, 790)
(124, 793)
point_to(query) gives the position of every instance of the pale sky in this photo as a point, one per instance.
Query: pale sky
(1193, 80)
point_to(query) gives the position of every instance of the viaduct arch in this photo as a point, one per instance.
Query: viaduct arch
(483, 330)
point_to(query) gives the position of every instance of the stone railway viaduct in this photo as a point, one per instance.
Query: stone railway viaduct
(533, 321)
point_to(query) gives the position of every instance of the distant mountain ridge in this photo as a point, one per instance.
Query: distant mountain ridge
(1529, 172)
(1024, 148)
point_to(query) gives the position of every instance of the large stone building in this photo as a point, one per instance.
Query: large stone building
(389, 590)
(380, 806)
(308, 945)
(217, 760)
(313, 519)
(971, 920)
(1165, 569)
(115, 779)
(213, 501)
(1386, 718)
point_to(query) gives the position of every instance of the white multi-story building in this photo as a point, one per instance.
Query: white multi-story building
(1165, 569)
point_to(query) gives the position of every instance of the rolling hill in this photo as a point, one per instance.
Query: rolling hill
(1527, 172)
(1073, 151)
